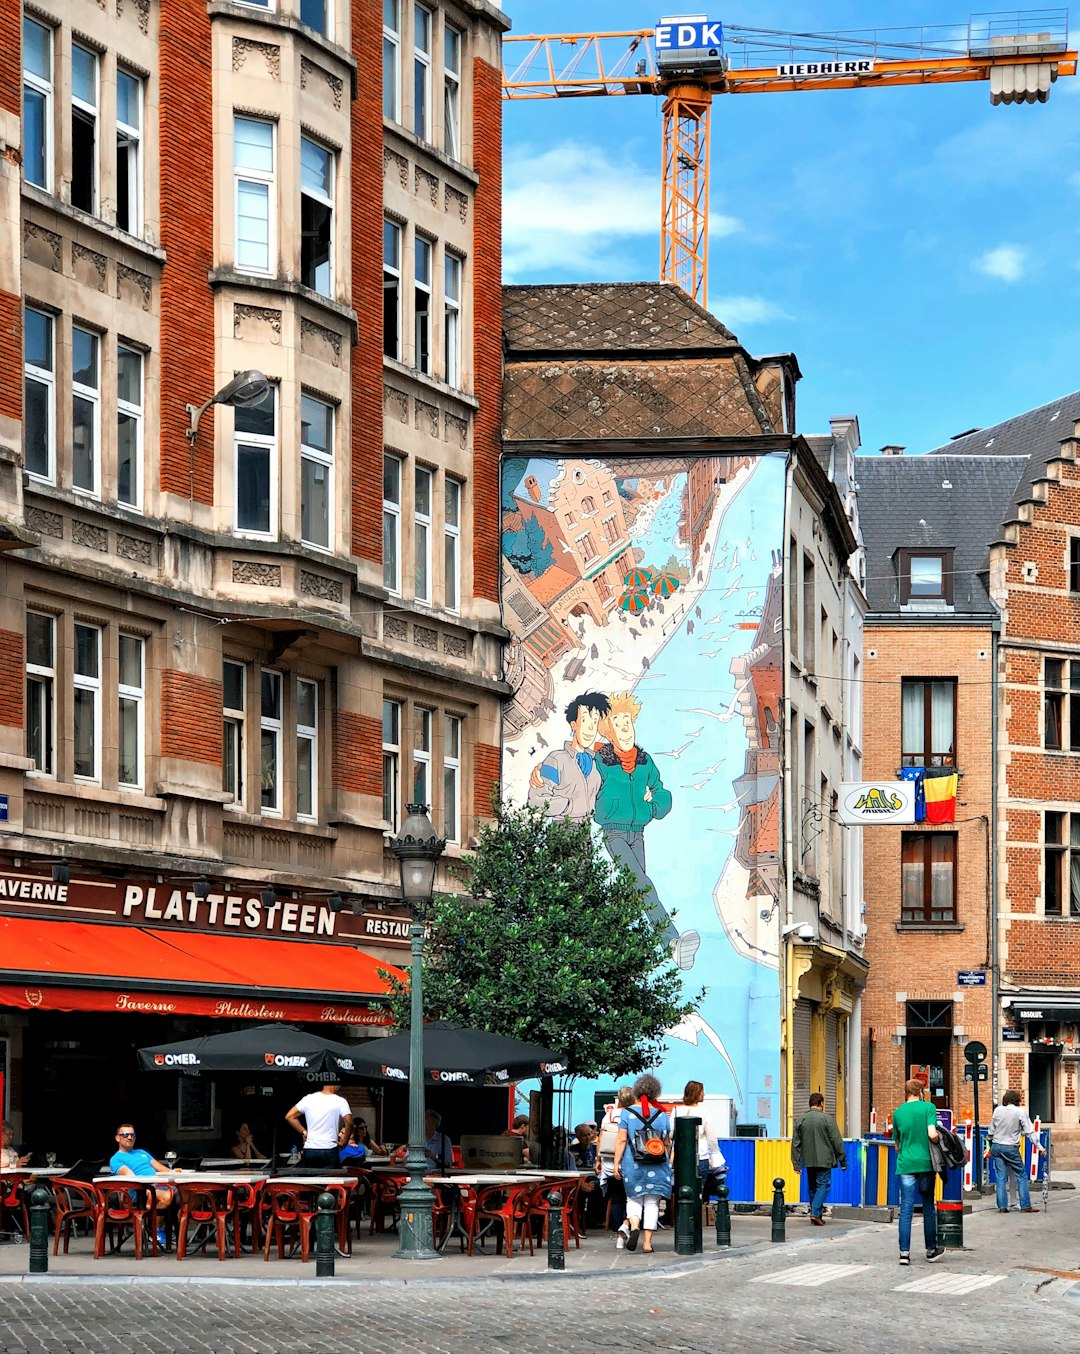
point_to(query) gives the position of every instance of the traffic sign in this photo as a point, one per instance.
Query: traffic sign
(974, 1052)
(976, 1072)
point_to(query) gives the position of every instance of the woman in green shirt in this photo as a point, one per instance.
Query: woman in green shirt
(914, 1124)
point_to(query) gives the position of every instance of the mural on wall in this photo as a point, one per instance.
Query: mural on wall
(644, 600)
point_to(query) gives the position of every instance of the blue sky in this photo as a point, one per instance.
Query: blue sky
(918, 249)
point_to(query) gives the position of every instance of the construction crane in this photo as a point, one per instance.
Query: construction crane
(687, 60)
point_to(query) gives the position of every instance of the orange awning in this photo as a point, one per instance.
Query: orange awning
(86, 966)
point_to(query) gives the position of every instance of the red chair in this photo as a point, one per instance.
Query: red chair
(119, 1210)
(386, 1201)
(247, 1207)
(75, 1202)
(13, 1202)
(204, 1206)
(539, 1207)
(505, 1206)
(292, 1212)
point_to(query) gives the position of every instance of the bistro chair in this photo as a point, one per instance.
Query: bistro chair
(539, 1209)
(119, 1211)
(386, 1201)
(291, 1212)
(203, 1207)
(247, 1208)
(503, 1206)
(75, 1203)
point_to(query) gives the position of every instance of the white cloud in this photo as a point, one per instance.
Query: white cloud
(739, 311)
(1008, 262)
(582, 209)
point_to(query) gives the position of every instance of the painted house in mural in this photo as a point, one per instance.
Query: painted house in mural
(649, 474)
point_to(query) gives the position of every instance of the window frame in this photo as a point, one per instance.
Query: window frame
(392, 520)
(92, 684)
(91, 395)
(452, 91)
(136, 413)
(258, 441)
(453, 277)
(913, 844)
(392, 283)
(326, 199)
(392, 713)
(135, 696)
(927, 757)
(263, 179)
(422, 64)
(82, 110)
(42, 677)
(453, 490)
(272, 726)
(907, 557)
(307, 734)
(47, 379)
(1058, 855)
(422, 554)
(234, 721)
(423, 731)
(392, 49)
(1074, 564)
(130, 139)
(451, 803)
(326, 28)
(45, 88)
(312, 455)
(423, 298)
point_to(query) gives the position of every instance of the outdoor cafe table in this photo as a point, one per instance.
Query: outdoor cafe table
(108, 1184)
(14, 1177)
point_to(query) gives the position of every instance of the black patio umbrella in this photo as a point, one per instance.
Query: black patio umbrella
(257, 1048)
(455, 1055)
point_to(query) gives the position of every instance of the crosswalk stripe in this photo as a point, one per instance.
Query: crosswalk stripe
(955, 1285)
(810, 1276)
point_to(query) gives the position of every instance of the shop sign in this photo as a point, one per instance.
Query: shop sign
(185, 1003)
(877, 803)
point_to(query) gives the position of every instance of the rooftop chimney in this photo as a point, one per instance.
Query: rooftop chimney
(533, 488)
(892, 451)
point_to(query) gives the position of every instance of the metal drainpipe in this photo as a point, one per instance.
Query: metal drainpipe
(995, 981)
(787, 1117)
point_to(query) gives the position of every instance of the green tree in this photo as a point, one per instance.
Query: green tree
(551, 945)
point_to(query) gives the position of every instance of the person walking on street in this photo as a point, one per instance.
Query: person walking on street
(647, 1177)
(914, 1126)
(817, 1145)
(711, 1164)
(1008, 1124)
(614, 1193)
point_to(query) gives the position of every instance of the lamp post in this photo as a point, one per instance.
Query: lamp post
(418, 848)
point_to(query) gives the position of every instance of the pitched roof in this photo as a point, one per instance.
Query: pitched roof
(943, 501)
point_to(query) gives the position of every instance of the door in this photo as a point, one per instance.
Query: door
(932, 1052)
(832, 1036)
(1041, 1078)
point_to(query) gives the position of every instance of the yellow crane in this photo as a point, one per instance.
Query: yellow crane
(687, 60)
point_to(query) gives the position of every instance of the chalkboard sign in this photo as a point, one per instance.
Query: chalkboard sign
(195, 1104)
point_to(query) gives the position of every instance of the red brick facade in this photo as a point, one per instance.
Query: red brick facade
(11, 59)
(357, 754)
(11, 678)
(11, 359)
(487, 762)
(190, 717)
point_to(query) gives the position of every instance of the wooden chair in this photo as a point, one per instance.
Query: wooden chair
(504, 1206)
(539, 1208)
(119, 1210)
(204, 1206)
(75, 1202)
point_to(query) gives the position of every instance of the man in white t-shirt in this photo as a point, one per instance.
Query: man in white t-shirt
(325, 1114)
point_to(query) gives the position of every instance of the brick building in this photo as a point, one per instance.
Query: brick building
(231, 652)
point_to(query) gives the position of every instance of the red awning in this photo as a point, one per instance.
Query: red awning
(86, 966)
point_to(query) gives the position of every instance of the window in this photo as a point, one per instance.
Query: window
(452, 92)
(610, 527)
(1061, 889)
(316, 216)
(422, 72)
(1061, 704)
(587, 547)
(421, 756)
(40, 689)
(452, 536)
(391, 519)
(926, 576)
(307, 748)
(452, 778)
(391, 60)
(1074, 563)
(253, 161)
(809, 607)
(85, 411)
(391, 761)
(232, 743)
(84, 128)
(422, 534)
(316, 14)
(316, 471)
(37, 104)
(270, 742)
(928, 723)
(130, 711)
(86, 703)
(452, 319)
(392, 290)
(928, 878)
(422, 305)
(39, 386)
(256, 467)
(793, 595)
(129, 102)
(129, 426)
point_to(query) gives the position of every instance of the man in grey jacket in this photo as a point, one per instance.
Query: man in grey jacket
(1008, 1124)
(566, 782)
(816, 1144)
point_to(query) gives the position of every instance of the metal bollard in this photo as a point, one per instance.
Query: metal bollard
(723, 1216)
(556, 1250)
(40, 1200)
(325, 1224)
(779, 1216)
(687, 1188)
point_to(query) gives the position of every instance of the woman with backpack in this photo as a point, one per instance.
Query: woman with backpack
(643, 1162)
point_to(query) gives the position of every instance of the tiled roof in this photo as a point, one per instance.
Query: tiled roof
(552, 583)
(934, 501)
(597, 317)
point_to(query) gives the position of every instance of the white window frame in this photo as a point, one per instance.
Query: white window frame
(422, 534)
(265, 180)
(92, 112)
(271, 725)
(392, 713)
(40, 85)
(327, 199)
(453, 44)
(258, 441)
(317, 456)
(423, 723)
(43, 677)
(422, 118)
(46, 378)
(327, 28)
(92, 396)
(453, 274)
(234, 725)
(129, 142)
(452, 498)
(86, 682)
(423, 271)
(392, 527)
(128, 409)
(392, 281)
(308, 734)
(392, 61)
(134, 696)
(452, 730)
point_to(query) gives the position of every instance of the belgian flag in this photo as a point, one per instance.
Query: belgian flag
(940, 794)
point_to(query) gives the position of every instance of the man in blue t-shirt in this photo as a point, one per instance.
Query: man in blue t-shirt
(131, 1160)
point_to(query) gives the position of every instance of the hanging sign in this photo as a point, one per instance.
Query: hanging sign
(877, 803)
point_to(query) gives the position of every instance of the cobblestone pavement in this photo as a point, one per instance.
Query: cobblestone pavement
(1015, 1287)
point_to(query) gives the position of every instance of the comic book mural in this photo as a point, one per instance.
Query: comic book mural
(644, 599)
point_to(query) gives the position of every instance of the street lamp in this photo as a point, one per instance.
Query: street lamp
(250, 387)
(418, 849)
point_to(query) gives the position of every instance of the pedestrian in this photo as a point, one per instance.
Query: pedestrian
(614, 1193)
(710, 1160)
(817, 1145)
(914, 1126)
(324, 1113)
(643, 1162)
(1008, 1124)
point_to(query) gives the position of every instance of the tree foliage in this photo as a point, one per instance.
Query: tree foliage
(552, 944)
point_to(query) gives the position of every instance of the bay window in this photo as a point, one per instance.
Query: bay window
(84, 128)
(40, 691)
(270, 742)
(131, 685)
(129, 106)
(422, 305)
(392, 523)
(253, 164)
(422, 533)
(452, 547)
(452, 778)
(234, 692)
(255, 467)
(39, 395)
(85, 411)
(86, 703)
(129, 426)
(422, 26)
(316, 216)
(316, 472)
(452, 92)
(307, 748)
(37, 110)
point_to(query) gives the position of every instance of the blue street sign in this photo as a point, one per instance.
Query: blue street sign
(675, 35)
(971, 977)
(3, 808)
(1011, 1036)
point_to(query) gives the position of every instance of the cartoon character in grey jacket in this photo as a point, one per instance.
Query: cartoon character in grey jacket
(566, 782)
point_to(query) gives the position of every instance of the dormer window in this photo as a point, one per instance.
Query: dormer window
(925, 576)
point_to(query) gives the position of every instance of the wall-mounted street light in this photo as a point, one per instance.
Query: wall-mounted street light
(250, 387)
(418, 849)
(61, 871)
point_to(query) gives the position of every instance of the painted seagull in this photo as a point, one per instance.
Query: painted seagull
(688, 1029)
(734, 588)
(677, 752)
